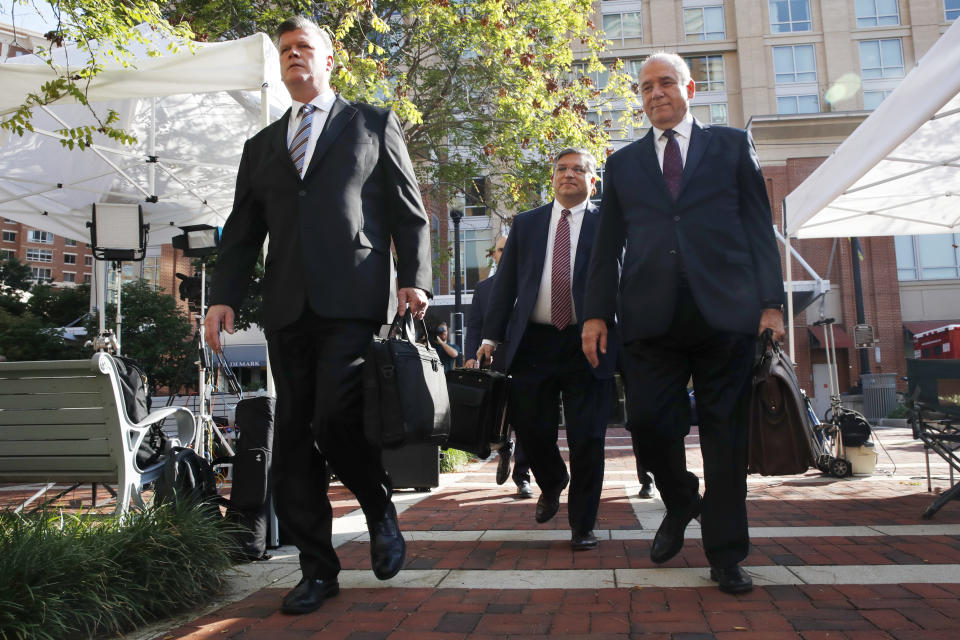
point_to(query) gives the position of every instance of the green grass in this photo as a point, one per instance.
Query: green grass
(76, 576)
(453, 460)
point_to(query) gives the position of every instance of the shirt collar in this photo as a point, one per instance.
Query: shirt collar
(574, 211)
(323, 101)
(683, 128)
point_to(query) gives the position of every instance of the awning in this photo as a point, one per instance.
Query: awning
(840, 337)
(245, 355)
(913, 327)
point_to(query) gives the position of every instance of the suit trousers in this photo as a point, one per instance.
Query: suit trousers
(658, 408)
(549, 366)
(317, 365)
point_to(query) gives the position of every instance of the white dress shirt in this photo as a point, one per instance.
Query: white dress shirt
(683, 129)
(323, 102)
(541, 310)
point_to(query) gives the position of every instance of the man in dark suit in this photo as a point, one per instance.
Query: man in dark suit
(478, 308)
(700, 279)
(332, 184)
(538, 293)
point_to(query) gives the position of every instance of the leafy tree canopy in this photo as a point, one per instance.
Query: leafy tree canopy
(484, 87)
(59, 306)
(14, 276)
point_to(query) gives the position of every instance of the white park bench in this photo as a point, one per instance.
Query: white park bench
(64, 421)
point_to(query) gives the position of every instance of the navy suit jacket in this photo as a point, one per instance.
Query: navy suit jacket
(517, 283)
(719, 231)
(478, 308)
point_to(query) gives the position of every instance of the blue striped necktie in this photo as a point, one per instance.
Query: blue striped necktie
(298, 146)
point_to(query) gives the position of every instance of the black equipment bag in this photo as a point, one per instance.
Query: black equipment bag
(249, 502)
(405, 390)
(478, 410)
(781, 434)
(133, 384)
(187, 477)
(854, 428)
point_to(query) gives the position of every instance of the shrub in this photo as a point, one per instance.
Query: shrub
(70, 576)
(452, 460)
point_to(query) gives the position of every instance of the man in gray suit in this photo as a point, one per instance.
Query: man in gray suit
(332, 184)
(700, 279)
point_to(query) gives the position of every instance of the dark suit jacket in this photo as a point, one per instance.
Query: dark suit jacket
(478, 308)
(330, 232)
(517, 283)
(719, 229)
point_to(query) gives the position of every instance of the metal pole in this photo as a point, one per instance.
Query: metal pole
(858, 298)
(456, 215)
(119, 280)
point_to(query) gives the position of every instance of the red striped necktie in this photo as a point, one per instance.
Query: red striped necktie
(561, 304)
(298, 146)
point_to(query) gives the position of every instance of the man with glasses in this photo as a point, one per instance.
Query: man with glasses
(533, 322)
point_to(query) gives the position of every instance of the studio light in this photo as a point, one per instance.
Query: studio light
(198, 240)
(117, 232)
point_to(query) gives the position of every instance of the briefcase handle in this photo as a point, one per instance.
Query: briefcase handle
(404, 328)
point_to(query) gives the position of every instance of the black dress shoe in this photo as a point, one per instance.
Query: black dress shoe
(309, 594)
(669, 539)
(583, 541)
(503, 466)
(549, 502)
(387, 547)
(731, 579)
(646, 491)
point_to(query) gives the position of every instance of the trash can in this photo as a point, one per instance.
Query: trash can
(879, 395)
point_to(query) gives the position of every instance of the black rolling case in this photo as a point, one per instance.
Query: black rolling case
(478, 410)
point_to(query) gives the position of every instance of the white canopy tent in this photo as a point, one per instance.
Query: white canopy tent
(899, 172)
(191, 112)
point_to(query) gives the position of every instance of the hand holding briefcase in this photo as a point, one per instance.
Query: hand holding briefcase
(405, 391)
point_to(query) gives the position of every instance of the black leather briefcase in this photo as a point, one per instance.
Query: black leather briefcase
(405, 391)
(478, 410)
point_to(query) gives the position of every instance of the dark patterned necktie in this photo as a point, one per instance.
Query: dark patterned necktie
(561, 306)
(672, 163)
(298, 146)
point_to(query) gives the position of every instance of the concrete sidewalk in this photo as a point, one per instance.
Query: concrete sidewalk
(831, 558)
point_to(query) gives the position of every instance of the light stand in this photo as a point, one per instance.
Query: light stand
(201, 241)
(456, 215)
(117, 233)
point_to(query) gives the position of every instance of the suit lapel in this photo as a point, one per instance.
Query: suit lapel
(279, 142)
(699, 139)
(588, 229)
(340, 114)
(647, 158)
(538, 250)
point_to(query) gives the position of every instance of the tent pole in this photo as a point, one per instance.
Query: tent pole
(152, 149)
(265, 120)
(790, 327)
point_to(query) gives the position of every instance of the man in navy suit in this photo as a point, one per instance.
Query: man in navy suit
(478, 308)
(538, 293)
(332, 184)
(700, 279)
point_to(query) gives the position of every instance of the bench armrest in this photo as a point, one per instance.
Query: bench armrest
(186, 425)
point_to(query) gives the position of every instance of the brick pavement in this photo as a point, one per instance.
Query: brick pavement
(848, 558)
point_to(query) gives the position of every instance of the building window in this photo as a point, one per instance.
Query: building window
(42, 274)
(877, 13)
(789, 15)
(707, 72)
(69, 258)
(704, 23)
(872, 99)
(67, 242)
(710, 113)
(881, 59)
(625, 28)
(951, 9)
(600, 78)
(474, 259)
(40, 237)
(475, 198)
(633, 66)
(798, 104)
(39, 255)
(928, 257)
(87, 261)
(69, 276)
(9, 236)
(86, 278)
(7, 254)
(794, 64)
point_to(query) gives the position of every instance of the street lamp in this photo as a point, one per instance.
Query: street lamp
(457, 215)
